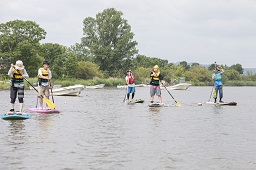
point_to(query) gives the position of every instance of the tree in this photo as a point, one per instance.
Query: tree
(185, 65)
(232, 74)
(237, 67)
(19, 40)
(212, 66)
(148, 62)
(109, 41)
(87, 70)
(56, 55)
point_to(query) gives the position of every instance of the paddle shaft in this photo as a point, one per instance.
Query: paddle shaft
(52, 92)
(125, 94)
(213, 84)
(171, 95)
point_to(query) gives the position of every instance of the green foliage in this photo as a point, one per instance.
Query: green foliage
(108, 40)
(232, 74)
(56, 55)
(199, 75)
(212, 66)
(185, 65)
(238, 68)
(19, 40)
(87, 70)
(106, 51)
(148, 62)
(142, 75)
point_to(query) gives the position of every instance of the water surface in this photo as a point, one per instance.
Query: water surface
(98, 131)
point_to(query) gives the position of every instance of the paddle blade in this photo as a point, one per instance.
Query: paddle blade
(177, 104)
(49, 103)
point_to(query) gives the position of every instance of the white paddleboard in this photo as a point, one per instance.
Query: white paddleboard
(222, 104)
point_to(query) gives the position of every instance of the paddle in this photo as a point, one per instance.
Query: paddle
(213, 85)
(52, 93)
(125, 94)
(49, 102)
(177, 104)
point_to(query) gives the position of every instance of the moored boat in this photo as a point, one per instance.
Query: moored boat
(180, 86)
(68, 91)
(97, 86)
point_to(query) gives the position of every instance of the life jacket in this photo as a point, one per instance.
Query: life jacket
(156, 76)
(155, 79)
(17, 76)
(131, 79)
(45, 73)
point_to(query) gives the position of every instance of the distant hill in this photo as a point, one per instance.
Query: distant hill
(246, 70)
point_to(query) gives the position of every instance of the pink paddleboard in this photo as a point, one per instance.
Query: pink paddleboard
(38, 110)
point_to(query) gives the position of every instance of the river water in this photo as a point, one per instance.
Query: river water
(98, 131)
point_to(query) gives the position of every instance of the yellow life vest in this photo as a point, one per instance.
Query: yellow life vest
(45, 73)
(156, 75)
(17, 74)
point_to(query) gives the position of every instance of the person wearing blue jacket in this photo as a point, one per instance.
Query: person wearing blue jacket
(217, 77)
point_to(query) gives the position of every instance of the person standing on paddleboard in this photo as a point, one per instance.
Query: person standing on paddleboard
(44, 82)
(156, 79)
(130, 84)
(17, 73)
(217, 77)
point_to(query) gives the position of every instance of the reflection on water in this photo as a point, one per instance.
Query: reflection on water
(17, 133)
(99, 131)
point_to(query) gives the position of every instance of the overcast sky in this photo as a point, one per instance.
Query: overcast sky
(202, 31)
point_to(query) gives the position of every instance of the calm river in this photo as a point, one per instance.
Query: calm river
(98, 131)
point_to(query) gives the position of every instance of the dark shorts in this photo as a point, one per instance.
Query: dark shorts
(17, 90)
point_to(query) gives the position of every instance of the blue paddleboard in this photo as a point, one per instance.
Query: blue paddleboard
(15, 116)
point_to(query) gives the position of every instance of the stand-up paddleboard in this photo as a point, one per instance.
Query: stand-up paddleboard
(135, 101)
(38, 110)
(139, 101)
(15, 116)
(157, 105)
(222, 104)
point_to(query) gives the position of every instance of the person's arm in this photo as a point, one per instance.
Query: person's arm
(50, 79)
(160, 77)
(25, 74)
(10, 72)
(40, 74)
(213, 76)
(127, 80)
(151, 74)
(222, 70)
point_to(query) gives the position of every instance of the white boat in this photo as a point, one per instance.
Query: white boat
(180, 86)
(121, 86)
(68, 91)
(97, 86)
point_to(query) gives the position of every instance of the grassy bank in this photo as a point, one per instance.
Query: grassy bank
(109, 82)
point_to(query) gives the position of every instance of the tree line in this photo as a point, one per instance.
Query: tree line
(107, 49)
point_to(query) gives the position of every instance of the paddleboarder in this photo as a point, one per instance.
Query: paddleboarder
(44, 82)
(17, 73)
(156, 79)
(130, 84)
(217, 77)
